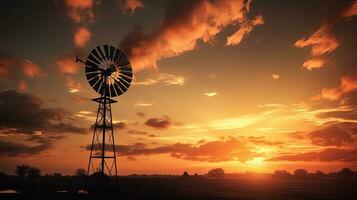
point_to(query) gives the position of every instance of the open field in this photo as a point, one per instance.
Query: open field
(250, 188)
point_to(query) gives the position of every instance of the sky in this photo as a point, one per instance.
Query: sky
(243, 85)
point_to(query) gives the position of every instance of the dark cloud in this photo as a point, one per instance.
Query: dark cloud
(118, 125)
(330, 154)
(348, 114)
(136, 132)
(8, 149)
(331, 136)
(24, 113)
(159, 122)
(349, 102)
(213, 151)
(140, 114)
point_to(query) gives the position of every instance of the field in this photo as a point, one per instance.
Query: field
(174, 187)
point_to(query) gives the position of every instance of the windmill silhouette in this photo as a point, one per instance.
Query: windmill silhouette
(109, 73)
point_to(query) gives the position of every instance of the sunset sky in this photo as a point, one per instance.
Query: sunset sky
(243, 85)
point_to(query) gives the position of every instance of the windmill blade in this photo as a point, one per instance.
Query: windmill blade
(106, 50)
(91, 75)
(100, 52)
(117, 54)
(100, 63)
(96, 55)
(93, 81)
(111, 52)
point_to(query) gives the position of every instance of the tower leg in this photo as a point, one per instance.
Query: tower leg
(102, 158)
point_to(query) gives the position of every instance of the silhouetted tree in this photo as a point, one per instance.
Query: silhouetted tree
(22, 170)
(57, 174)
(81, 172)
(345, 172)
(300, 173)
(282, 173)
(33, 172)
(319, 173)
(216, 173)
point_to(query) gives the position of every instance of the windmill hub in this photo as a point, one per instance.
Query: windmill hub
(109, 70)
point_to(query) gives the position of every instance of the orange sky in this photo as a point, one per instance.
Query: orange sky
(246, 86)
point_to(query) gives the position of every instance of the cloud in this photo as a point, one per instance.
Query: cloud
(184, 24)
(30, 69)
(120, 125)
(211, 94)
(347, 84)
(67, 64)
(351, 11)
(167, 79)
(142, 104)
(323, 41)
(345, 109)
(10, 66)
(9, 149)
(262, 141)
(330, 154)
(331, 136)
(80, 10)
(140, 114)
(163, 122)
(212, 151)
(136, 132)
(314, 63)
(245, 28)
(129, 6)
(350, 114)
(275, 76)
(81, 37)
(24, 113)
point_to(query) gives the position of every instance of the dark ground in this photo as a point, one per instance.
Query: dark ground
(167, 188)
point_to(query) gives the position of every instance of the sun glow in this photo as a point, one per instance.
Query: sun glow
(256, 162)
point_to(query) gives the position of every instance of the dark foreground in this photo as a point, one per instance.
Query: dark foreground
(167, 188)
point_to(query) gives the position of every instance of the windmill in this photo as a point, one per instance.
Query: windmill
(109, 73)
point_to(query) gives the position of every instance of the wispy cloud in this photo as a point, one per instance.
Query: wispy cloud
(323, 41)
(211, 94)
(245, 28)
(167, 79)
(347, 84)
(143, 104)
